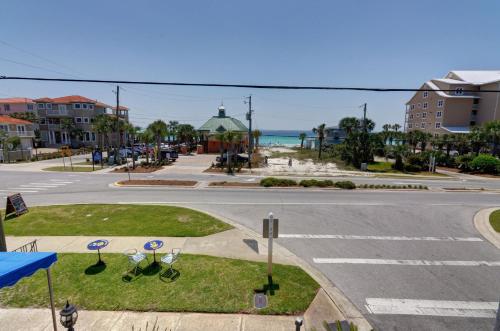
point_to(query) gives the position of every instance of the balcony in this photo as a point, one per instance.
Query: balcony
(57, 112)
(21, 134)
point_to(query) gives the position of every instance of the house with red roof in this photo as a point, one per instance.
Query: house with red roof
(10, 106)
(13, 127)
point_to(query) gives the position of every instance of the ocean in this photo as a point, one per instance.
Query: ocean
(288, 138)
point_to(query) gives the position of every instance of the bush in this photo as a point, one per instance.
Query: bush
(413, 168)
(346, 184)
(280, 182)
(486, 164)
(317, 183)
(464, 162)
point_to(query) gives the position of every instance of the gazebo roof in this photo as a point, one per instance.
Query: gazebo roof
(222, 123)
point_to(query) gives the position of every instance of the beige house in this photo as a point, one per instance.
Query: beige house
(454, 103)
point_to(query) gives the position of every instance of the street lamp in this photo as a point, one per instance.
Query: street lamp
(69, 315)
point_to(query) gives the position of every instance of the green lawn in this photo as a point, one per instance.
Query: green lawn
(203, 284)
(68, 169)
(113, 220)
(386, 168)
(495, 220)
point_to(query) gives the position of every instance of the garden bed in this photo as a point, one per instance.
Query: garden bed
(201, 284)
(233, 184)
(159, 182)
(139, 169)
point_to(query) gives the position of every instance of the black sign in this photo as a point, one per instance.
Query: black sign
(15, 204)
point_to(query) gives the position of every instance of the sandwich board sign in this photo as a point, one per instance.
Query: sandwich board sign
(15, 204)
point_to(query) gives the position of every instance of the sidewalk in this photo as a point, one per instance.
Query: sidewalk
(40, 319)
(232, 244)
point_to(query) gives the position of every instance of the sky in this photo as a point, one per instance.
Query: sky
(333, 43)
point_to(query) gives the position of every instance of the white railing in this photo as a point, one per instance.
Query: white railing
(21, 133)
(57, 112)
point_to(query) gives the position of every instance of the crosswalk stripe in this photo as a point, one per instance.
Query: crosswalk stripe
(19, 191)
(49, 184)
(33, 187)
(477, 309)
(357, 237)
(407, 262)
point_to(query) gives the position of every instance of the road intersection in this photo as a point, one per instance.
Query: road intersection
(406, 259)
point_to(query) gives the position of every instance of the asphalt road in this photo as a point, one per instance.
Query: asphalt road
(407, 260)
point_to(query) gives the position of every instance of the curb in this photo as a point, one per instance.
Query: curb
(345, 307)
(483, 226)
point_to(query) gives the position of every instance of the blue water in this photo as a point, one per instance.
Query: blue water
(289, 138)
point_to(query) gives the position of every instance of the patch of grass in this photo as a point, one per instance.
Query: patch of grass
(114, 220)
(203, 284)
(495, 220)
(68, 169)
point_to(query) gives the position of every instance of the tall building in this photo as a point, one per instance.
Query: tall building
(9, 106)
(457, 109)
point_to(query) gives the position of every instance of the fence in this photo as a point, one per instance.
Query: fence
(27, 248)
(14, 156)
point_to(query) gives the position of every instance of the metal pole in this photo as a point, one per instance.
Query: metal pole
(270, 247)
(3, 242)
(250, 137)
(497, 324)
(51, 295)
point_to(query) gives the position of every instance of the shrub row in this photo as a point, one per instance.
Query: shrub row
(393, 187)
(284, 182)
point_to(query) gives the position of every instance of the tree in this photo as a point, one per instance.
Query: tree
(423, 138)
(256, 136)
(186, 134)
(102, 126)
(492, 130)
(349, 124)
(221, 138)
(396, 127)
(132, 132)
(27, 116)
(320, 132)
(147, 138)
(230, 138)
(159, 130)
(302, 137)
(172, 130)
(478, 139)
(412, 138)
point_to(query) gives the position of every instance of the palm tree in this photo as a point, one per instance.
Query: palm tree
(412, 138)
(396, 127)
(478, 139)
(423, 138)
(146, 137)
(447, 143)
(320, 132)
(302, 137)
(256, 136)
(102, 126)
(349, 124)
(172, 130)
(132, 133)
(492, 130)
(159, 130)
(221, 138)
(186, 134)
(230, 139)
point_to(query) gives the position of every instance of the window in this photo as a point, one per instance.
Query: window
(85, 119)
(426, 94)
(439, 114)
(476, 101)
(472, 123)
(440, 103)
(84, 105)
(424, 115)
(21, 129)
(40, 106)
(412, 107)
(48, 106)
(86, 137)
(419, 105)
(93, 136)
(436, 135)
(438, 125)
(459, 91)
(6, 107)
(418, 115)
(474, 112)
(411, 116)
(426, 105)
(92, 120)
(91, 107)
(43, 120)
(61, 107)
(410, 125)
(4, 128)
(78, 120)
(77, 106)
(422, 125)
(30, 107)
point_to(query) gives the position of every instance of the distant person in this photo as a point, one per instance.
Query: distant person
(290, 162)
(265, 160)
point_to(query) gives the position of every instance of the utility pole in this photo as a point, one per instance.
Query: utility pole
(250, 136)
(117, 152)
(365, 135)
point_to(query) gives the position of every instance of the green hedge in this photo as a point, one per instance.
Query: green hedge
(316, 183)
(346, 184)
(486, 164)
(279, 182)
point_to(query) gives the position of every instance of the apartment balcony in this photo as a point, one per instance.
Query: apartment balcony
(54, 126)
(57, 112)
(21, 134)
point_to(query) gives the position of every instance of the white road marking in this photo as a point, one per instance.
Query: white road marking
(20, 191)
(349, 237)
(33, 187)
(61, 181)
(407, 262)
(49, 184)
(476, 309)
(401, 183)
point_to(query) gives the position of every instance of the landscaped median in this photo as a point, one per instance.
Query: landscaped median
(114, 220)
(156, 182)
(71, 169)
(204, 284)
(495, 220)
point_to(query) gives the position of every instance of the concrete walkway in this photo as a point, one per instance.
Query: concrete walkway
(40, 319)
(232, 244)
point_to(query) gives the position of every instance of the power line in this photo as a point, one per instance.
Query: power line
(271, 87)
